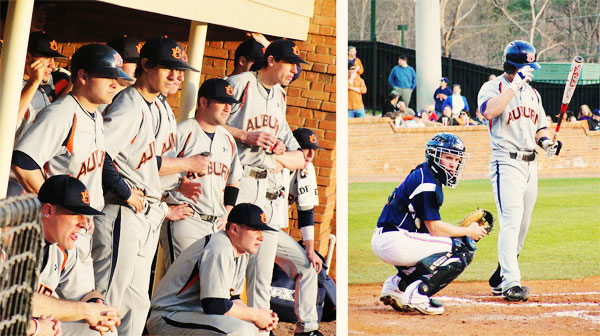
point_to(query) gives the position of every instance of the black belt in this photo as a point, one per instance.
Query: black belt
(258, 173)
(525, 157)
(208, 218)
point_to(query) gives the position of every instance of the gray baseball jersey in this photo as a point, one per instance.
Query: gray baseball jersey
(259, 110)
(224, 168)
(38, 102)
(165, 130)
(208, 268)
(303, 188)
(66, 139)
(515, 128)
(131, 141)
(61, 275)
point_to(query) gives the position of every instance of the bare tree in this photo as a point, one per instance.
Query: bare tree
(359, 13)
(448, 33)
(530, 28)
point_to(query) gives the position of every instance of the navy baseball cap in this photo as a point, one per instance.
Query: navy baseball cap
(166, 52)
(43, 44)
(306, 138)
(444, 79)
(69, 193)
(217, 89)
(249, 215)
(129, 47)
(285, 50)
(596, 112)
(250, 49)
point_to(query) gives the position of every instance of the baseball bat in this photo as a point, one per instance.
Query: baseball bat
(330, 251)
(569, 89)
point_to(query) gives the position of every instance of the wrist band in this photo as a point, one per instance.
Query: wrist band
(95, 300)
(37, 327)
(541, 141)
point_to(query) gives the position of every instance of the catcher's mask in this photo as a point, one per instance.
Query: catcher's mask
(449, 144)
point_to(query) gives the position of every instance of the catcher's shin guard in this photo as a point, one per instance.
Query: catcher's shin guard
(440, 269)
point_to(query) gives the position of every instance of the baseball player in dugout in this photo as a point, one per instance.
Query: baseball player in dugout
(39, 64)
(63, 289)
(220, 185)
(264, 138)
(427, 252)
(517, 123)
(200, 293)
(125, 239)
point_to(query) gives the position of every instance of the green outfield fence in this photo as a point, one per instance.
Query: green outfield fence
(379, 58)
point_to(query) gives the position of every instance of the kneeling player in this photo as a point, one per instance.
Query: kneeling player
(200, 294)
(428, 253)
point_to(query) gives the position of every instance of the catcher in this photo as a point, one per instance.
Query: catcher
(427, 252)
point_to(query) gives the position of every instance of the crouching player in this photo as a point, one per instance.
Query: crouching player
(428, 253)
(200, 293)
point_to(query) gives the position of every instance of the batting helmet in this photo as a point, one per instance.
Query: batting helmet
(100, 61)
(519, 54)
(449, 144)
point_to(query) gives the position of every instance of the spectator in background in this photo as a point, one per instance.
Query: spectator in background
(432, 116)
(480, 119)
(447, 119)
(403, 79)
(594, 122)
(440, 95)
(390, 107)
(571, 117)
(584, 113)
(353, 60)
(356, 88)
(456, 101)
(464, 119)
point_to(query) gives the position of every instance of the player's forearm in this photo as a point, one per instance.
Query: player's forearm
(31, 180)
(238, 134)
(291, 160)
(63, 310)
(174, 165)
(26, 96)
(241, 311)
(541, 134)
(495, 106)
(443, 229)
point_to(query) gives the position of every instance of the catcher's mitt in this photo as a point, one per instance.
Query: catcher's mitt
(481, 216)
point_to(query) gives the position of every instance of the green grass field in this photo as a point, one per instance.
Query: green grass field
(563, 240)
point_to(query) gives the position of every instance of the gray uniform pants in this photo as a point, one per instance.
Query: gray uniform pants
(176, 236)
(197, 323)
(279, 247)
(124, 246)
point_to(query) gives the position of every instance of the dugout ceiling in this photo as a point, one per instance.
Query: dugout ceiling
(89, 20)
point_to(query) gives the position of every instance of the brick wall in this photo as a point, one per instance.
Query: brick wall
(378, 152)
(310, 99)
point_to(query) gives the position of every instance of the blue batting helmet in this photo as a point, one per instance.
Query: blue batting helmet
(445, 143)
(519, 54)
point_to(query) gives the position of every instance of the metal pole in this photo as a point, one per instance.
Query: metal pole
(191, 83)
(374, 77)
(373, 20)
(12, 63)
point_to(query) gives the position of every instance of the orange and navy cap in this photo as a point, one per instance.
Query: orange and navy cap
(217, 89)
(69, 193)
(167, 53)
(249, 215)
(306, 138)
(128, 47)
(43, 44)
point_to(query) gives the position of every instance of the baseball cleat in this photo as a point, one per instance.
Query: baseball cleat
(497, 291)
(516, 293)
(394, 302)
(419, 302)
(392, 296)
(310, 333)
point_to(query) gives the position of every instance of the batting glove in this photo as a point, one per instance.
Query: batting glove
(551, 148)
(525, 74)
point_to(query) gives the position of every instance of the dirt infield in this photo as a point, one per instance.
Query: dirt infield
(283, 328)
(558, 307)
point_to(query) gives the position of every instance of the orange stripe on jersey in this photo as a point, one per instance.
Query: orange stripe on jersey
(185, 145)
(132, 140)
(243, 100)
(500, 87)
(26, 116)
(231, 143)
(490, 125)
(72, 135)
(62, 267)
(283, 95)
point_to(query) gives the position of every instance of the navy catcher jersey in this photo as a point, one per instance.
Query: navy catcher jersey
(416, 200)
